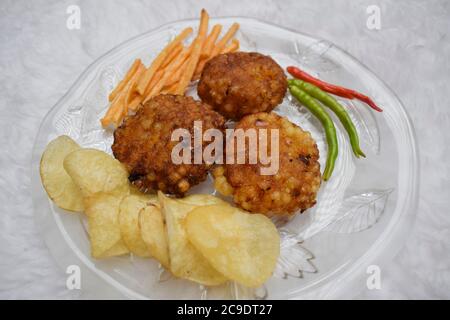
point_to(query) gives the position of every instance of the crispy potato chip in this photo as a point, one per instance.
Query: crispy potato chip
(117, 250)
(153, 232)
(102, 210)
(57, 183)
(201, 200)
(96, 171)
(244, 247)
(129, 222)
(185, 261)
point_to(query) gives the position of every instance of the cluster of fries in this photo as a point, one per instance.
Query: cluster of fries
(171, 71)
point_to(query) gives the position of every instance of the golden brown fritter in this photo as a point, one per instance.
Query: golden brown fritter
(241, 83)
(295, 185)
(143, 143)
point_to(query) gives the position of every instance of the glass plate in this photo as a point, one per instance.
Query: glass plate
(363, 213)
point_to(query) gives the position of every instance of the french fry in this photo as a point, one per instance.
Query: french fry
(207, 49)
(176, 50)
(115, 111)
(131, 88)
(176, 75)
(168, 72)
(107, 118)
(234, 46)
(222, 42)
(163, 75)
(134, 104)
(158, 86)
(204, 20)
(170, 89)
(171, 71)
(128, 92)
(197, 45)
(217, 49)
(121, 112)
(147, 77)
(134, 67)
(176, 62)
(157, 77)
(210, 41)
(190, 69)
(120, 106)
(199, 69)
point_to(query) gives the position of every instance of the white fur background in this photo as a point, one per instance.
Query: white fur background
(40, 59)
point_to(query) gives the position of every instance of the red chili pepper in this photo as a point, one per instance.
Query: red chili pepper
(331, 88)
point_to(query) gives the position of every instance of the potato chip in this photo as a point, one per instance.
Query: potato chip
(201, 200)
(154, 234)
(117, 250)
(96, 171)
(57, 183)
(242, 246)
(129, 222)
(102, 210)
(185, 261)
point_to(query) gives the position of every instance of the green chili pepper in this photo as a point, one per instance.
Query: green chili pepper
(330, 131)
(339, 110)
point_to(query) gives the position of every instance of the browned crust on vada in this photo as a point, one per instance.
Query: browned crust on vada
(241, 83)
(143, 143)
(294, 187)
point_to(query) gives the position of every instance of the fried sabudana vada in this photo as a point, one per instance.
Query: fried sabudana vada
(294, 187)
(241, 83)
(143, 143)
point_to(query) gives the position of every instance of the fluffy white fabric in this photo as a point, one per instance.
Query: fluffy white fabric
(40, 59)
